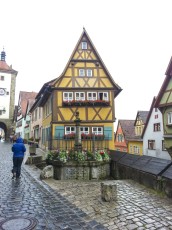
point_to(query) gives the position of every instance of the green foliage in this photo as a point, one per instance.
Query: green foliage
(65, 155)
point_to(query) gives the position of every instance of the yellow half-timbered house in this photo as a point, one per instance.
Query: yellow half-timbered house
(85, 86)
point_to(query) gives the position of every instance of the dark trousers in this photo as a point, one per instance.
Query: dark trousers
(17, 161)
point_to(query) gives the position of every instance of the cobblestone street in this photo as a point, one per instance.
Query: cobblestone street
(78, 205)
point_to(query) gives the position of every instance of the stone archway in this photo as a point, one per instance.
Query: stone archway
(4, 127)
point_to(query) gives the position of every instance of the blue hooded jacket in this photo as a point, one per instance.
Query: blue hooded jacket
(18, 148)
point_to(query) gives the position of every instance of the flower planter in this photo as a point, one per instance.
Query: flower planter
(83, 170)
(32, 150)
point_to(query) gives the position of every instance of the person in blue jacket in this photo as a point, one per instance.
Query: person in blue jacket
(18, 150)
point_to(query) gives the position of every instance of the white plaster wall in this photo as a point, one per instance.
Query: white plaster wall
(20, 129)
(5, 99)
(157, 136)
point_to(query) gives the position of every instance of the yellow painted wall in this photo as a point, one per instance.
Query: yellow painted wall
(135, 143)
(111, 142)
(46, 121)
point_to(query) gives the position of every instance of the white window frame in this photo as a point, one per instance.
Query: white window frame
(70, 130)
(84, 45)
(67, 97)
(136, 149)
(97, 130)
(105, 96)
(82, 72)
(84, 130)
(169, 118)
(79, 97)
(91, 97)
(89, 72)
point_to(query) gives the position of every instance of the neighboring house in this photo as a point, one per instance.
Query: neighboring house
(135, 144)
(7, 96)
(36, 123)
(164, 103)
(153, 141)
(85, 86)
(27, 128)
(21, 111)
(124, 132)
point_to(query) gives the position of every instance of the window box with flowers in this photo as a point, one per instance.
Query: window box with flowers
(83, 165)
(86, 103)
(70, 136)
(92, 137)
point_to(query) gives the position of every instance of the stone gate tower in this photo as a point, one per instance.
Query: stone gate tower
(7, 95)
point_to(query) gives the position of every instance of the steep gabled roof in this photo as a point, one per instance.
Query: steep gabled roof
(24, 97)
(143, 115)
(85, 34)
(149, 115)
(127, 127)
(168, 74)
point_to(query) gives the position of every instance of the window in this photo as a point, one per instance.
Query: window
(79, 96)
(131, 148)
(81, 72)
(2, 78)
(92, 96)
(163, 146)
(151, 144)
(84, 45)
(120, 138)
(136, 149)
(84, 130)
(70, 129)
(156, 127)
(89, 72)
(169, 115)
(97, 130)
(156, 116)
(103, 96)
(67, 96)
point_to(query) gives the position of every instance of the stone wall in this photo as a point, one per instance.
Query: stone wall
(87, 170)
(155, 173)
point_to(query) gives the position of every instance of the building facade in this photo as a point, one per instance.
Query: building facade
(85, 87)
(7, 96)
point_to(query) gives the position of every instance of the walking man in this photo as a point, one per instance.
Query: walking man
(18, 150)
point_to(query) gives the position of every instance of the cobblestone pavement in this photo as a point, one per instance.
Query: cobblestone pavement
(32, 198)
(57, 204)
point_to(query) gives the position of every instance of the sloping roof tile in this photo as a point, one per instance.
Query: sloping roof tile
(25, 96)
(128, 128)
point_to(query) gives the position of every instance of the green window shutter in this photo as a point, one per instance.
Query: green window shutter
(59, 131)
(108, 133)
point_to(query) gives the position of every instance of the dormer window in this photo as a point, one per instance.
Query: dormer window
(84, 45)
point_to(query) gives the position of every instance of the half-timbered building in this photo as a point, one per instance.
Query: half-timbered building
(85, 86)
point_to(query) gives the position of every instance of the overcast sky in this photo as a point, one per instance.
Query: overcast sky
(133, 38)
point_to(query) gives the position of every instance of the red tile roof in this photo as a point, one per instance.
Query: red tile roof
(6, 68)
(127, 128)
(24, 97)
